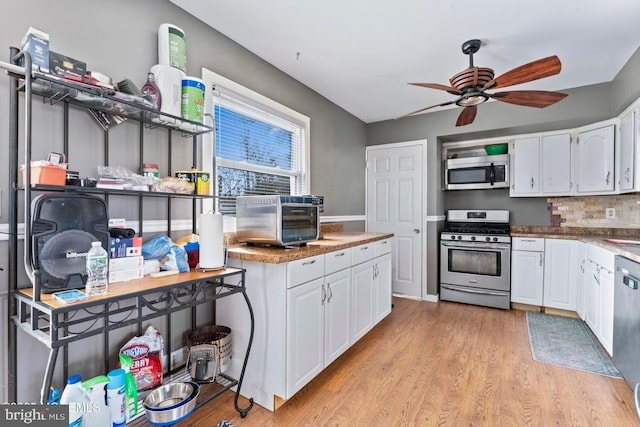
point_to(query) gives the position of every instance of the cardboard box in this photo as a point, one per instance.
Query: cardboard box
(120, 247)
(36, 43)
(116, 276)
(61, 65)
(125, 263)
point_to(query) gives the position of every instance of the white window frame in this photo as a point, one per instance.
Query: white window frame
(210, 163)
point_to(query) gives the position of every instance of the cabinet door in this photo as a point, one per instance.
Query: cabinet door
(595, 161)
(605, 334)
(305, 334)
(555, 164)
(337, 314)
(561, 266)
(362, 299)
(592, 295)
(382, 287)
(581, 281)
(626, 152)
(525, 166)
(527, 277)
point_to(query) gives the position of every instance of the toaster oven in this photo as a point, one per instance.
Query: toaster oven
(277, 220)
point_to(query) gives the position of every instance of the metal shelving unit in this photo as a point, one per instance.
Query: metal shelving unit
(55, 324)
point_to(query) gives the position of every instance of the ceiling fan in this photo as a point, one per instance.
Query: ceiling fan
(471, 85)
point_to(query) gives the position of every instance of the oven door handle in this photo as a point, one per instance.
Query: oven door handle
(477, 291)
(477, 246)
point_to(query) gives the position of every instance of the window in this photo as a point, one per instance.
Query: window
(260, 146)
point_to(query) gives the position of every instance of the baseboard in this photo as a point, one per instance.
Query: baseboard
(560, 312)
(525, 307)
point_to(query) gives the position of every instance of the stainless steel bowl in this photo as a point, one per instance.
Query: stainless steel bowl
(171, 402)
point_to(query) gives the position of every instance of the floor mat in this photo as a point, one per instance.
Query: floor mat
(568, 342)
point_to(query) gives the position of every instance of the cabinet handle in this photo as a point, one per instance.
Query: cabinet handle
(330, 292)
(606, 178)
(531, 183)
(384, 242)
(540, 259)
(324, 295)
(627, 175)
(364, 248)
(340, 254)
(313, 261)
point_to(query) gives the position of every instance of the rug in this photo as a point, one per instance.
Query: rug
(567, 342)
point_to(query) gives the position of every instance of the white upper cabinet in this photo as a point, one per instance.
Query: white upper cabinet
(525, 166)
(626, 149)
(541, 165)
(594, 161)
(555, 165)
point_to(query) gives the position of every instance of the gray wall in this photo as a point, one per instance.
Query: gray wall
(119, 38)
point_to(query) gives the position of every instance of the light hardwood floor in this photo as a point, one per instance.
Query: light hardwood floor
(442, 364)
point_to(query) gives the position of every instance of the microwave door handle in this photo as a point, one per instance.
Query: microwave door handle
(492, 174)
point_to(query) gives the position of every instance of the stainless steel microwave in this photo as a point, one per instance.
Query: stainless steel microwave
(278, 220)
(471, 173)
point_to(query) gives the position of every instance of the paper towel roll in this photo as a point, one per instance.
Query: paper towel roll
(211, 242)
(169, 82)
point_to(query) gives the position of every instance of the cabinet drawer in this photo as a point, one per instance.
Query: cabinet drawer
(527, 244)
(381, 247)
(304, 270)
(338, 260)
(362, 253)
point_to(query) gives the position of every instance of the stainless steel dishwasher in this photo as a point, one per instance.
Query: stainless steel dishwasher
(626, 320)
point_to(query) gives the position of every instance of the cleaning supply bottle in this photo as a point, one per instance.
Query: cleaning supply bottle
(97, 414)
(73, 395)
(151, 92)
(130, 389)
(116, 397)
(97, 270)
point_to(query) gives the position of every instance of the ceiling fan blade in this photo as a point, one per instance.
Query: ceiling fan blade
(529, 98)
(428, 108)
(467, 115)
(535, 70)
(438, 87)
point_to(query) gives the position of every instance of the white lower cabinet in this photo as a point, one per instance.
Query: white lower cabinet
(562, 258)
(545, 272)
(307, 313)
(527, 270)
(305, 333)
(599, 291)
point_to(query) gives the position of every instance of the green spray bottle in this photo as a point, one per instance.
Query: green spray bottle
(130, 389)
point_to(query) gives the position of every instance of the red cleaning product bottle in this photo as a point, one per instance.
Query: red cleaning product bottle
(151, 92)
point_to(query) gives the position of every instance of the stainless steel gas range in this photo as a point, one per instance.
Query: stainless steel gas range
(475, 258)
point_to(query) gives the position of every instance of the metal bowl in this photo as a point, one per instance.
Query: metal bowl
(171, 402)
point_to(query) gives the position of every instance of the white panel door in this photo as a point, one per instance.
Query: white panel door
(525, 167)
(395, 182)
(595, 160)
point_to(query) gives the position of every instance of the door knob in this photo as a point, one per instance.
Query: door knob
(416, 230)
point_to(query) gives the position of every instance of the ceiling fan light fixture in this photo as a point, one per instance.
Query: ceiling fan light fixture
(472, 99)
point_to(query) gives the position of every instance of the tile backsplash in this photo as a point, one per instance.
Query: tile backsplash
(592, 211)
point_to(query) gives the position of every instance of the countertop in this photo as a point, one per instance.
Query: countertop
(333, 241)
(597, 236)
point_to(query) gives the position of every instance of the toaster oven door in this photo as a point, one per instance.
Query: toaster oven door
(300, 223)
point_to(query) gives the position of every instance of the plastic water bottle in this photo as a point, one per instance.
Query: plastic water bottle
(74, 396)
(97, 269)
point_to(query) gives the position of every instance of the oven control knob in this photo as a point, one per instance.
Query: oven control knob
(459, 237)
(473, 238)
(453, 237)
(488, 239)
(495, 239)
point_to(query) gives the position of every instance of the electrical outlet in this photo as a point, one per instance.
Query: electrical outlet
(610, 213)
(179, 357)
